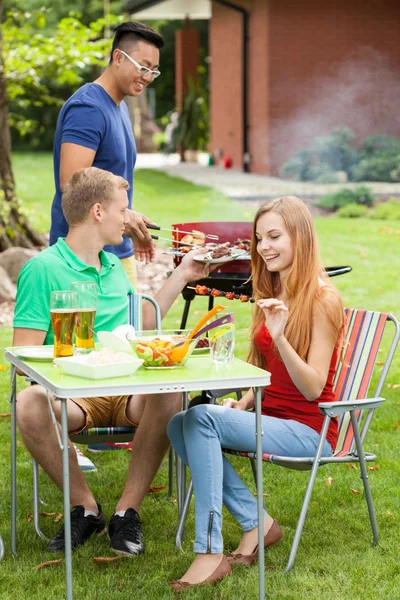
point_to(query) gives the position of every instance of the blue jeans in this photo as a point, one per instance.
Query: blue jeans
(198, 435)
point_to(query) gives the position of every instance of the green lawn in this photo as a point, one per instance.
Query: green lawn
(335, 560)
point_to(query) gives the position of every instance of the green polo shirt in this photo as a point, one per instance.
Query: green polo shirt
(54, 269)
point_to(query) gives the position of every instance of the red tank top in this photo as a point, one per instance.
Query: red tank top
(283, 400)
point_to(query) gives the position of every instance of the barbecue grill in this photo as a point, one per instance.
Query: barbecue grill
(232, 276)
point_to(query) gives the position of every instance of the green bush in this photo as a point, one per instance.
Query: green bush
(352, 211)
(387, 211)
(325, 156)
(298, 167)
(334, 152)
(361, 195)
(192, 130)
(378, 168)
(377, 158)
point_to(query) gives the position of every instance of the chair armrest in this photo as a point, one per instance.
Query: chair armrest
(333, 409)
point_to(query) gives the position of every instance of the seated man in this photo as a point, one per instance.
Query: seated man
(95, 205)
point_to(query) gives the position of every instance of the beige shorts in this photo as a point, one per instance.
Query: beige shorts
(104, 411)
(129, 265)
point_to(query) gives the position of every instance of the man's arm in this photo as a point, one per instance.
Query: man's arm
(27, 337)
(189, 270)
(72, 158)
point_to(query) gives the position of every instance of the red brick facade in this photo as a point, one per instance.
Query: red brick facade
(186, 61)
(313, 65)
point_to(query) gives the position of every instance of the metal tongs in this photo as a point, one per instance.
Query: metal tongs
(206, 235)
(157, 237)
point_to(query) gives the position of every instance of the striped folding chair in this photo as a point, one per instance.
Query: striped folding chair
(352, 406)
(98, 435)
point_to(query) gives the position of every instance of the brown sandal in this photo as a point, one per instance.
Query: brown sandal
(223, 570)
(273, 535)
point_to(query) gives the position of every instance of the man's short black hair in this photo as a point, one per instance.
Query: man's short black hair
(128, 34)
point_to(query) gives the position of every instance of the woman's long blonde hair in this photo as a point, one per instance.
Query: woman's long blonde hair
(303, 284)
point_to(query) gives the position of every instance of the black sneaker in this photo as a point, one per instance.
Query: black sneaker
(126, 533)
(81, 529)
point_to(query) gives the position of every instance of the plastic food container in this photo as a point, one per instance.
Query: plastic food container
(81, 366)
(168, 350)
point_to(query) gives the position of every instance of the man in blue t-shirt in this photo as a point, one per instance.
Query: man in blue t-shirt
(94, 129)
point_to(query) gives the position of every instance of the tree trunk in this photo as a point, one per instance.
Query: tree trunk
(14, 227)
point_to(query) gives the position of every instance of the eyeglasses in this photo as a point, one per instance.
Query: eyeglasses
(143, 71)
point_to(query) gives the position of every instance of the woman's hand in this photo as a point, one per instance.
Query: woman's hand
(276, 315)
(232, 403)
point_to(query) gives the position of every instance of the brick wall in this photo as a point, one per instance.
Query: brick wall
(313, 65)
(186, 61)
(225, 41)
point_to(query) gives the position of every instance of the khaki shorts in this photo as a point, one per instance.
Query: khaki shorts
(104, 411)
(129, 265)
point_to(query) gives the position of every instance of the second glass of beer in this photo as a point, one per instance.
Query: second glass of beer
(87, 298)
(63, 311)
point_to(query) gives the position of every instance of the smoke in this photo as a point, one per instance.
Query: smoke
(362, 93)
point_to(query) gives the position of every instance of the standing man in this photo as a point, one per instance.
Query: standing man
(94, 129)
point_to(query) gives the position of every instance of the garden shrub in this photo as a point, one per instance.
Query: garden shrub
(387, 211)
(298, 167)
(333, 151)
(352, 211)
(335, 200)
(377, 159)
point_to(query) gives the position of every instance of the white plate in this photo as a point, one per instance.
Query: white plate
(204, 350)
(114, 341)
(36, 353)
(214, 261)
(77, 365)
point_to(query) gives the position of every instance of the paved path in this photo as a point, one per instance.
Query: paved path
(248, 186)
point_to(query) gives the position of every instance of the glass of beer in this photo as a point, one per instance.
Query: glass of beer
(87, 298)
(63, 310)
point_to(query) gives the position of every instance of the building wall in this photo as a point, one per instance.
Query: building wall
(226, 50)
(314, 65)
(225, 35)
(335, 62)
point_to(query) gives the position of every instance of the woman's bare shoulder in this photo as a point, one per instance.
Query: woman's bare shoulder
(329, 299)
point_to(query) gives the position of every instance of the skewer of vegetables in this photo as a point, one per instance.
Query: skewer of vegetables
(203, 290)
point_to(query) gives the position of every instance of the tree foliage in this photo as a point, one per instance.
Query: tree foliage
(36, 64)
(32, 65)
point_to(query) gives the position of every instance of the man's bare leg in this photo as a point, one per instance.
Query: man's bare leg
(150, 443)
(39, 436)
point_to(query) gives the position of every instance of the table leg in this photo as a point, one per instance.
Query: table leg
(13, 408)
(181, 470)
(260, 508)
(183, 466)
(67, 514)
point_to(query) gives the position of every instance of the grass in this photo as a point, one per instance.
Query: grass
(335, 560)
(166, 199)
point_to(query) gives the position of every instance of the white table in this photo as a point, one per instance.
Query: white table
(199, 373)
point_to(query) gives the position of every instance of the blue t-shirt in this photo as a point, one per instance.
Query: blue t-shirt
(91, 118)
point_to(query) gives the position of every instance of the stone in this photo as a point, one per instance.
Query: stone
(341, 176)
(13, 259)
(7, 288)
